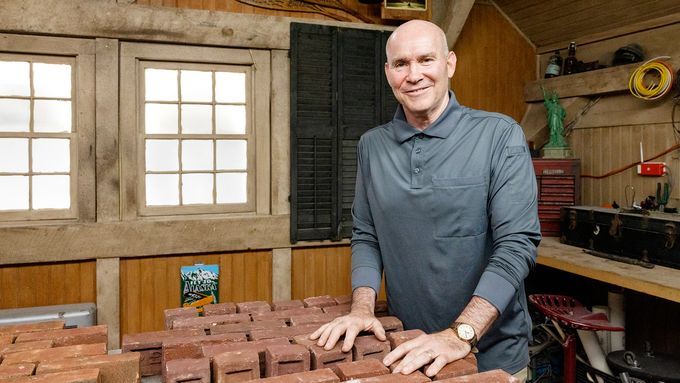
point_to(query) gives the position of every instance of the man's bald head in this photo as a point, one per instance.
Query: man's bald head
(420, 27)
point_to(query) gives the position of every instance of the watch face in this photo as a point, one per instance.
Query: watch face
(465, 332)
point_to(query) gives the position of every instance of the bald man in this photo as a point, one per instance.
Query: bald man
(445, 206)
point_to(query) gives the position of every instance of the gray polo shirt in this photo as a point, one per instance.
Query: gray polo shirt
(448, 213)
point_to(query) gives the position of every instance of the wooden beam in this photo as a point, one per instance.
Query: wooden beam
(457, 12)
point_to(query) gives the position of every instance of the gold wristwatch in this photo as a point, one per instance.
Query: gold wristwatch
(466, 333)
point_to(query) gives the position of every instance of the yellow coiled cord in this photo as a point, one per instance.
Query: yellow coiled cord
(651, 87)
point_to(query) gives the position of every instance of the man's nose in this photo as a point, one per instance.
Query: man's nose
(414, 73)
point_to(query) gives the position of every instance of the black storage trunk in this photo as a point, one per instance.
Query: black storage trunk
(651, 237)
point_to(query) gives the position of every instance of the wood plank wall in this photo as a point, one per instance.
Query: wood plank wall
(150, 285)
(46, 285)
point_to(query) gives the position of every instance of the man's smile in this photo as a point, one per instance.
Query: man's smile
(417, 90)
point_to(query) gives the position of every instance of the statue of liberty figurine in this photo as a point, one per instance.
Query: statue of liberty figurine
(557, 146)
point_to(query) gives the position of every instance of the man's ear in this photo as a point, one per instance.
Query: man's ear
(451, 61)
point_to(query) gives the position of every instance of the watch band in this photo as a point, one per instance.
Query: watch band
(472, 341)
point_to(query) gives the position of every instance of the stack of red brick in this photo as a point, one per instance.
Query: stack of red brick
(231, 342)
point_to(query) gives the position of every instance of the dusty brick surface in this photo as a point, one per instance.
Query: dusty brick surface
(117, 368)
(287, 305)
(253, 307)
(8, 371)
(259, 346)
(360, 369)
(219, 309)
(55, 353)
(31, 327)
(343, 299)
(285, 314)
(341, 309)
(398, 337)
(415, 377)
(286, 359)
(6, 339)
(149, 345)
(206, 323)
(369, 347)
(461, 367)
(318, 319)
(288, 332)
(86, 375)
(69, 336)
(493, 376)
(192, 347)
(26, 346)
(247, 327)
(322, 358)
(380, 308)
(170, 315)
(236, 366)
(188, 370)
(324, 375)
(391, 323)
(319, 301)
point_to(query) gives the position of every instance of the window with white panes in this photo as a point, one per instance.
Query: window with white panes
(198, 146)
(37, 136)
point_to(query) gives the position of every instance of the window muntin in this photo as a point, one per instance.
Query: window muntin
(37, 137)
(198, 139)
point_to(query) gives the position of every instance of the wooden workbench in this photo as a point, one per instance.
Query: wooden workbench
(660, 281)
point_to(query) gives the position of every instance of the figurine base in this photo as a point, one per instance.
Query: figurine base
(557, 153)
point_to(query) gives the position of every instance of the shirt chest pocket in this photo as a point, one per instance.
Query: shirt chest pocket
(459, 208)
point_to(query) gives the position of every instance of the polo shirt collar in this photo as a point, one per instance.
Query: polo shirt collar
(440, 128)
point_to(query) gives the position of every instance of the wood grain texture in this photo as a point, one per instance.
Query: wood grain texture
(150, 285)
(46, 285)
(494, 63)
(320, 271)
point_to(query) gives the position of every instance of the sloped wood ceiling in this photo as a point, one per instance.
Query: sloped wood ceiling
(552, 24)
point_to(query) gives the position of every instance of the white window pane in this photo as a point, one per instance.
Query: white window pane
(52, 116)
(13, 155)
(230, 119)
(162, 155)
(162, 189)
(232, 155)
(196, 119)
(15, 115)
(230, 87)
(232, 188)
(14, 193)
(160, 85)
(14, 78)
(52, 80)
(160, 119)
(197, 189)
(51, 155)
(196, 86)
(51, 192)
(197, 155)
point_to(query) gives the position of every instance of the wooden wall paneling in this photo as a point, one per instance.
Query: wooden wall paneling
(320, 271)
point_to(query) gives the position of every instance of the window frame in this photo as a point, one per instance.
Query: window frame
(80, 54)
(137, 56)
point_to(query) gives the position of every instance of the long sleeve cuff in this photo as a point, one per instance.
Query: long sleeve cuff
(364, 276)
(496, 290)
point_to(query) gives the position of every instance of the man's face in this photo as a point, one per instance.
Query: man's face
(418, 69)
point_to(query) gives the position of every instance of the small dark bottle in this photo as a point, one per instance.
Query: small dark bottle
(554, 67)
(570, 61)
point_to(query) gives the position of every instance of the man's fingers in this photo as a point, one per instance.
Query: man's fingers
(419, 359)
(316, 334)
(335, 334)
(400, 351)
(436, 366)
(379, 332)
(350, 336)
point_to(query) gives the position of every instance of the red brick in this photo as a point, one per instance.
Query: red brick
(170, 315)
(68, 336)
(253, 307)
(206, 323)
(414, 377)
(285, 314)
(465, 366)
(260, 346)
(192, 347)
(149, 345)
(86, 375)
(26, 346)
(319, 301)
(6, 339)
(219, 309)
(187, 370)
(323, 375)
(247, 327)
(380, 308)
(288, 332)
(369, 347)
(236, 366)
(16, 329)
(391, 323)
(287, 305)
(322, 358)
(361, 369)
(342, 309)
(318, 319)
(343, 299)
(493, 376)
(116, 368)
(8, 371)
(398, 337)
(286, 359)
(55, 353)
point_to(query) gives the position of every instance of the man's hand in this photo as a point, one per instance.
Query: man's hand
(350, 325)
(440, 348)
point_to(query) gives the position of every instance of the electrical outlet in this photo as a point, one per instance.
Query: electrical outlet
(652, 169)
